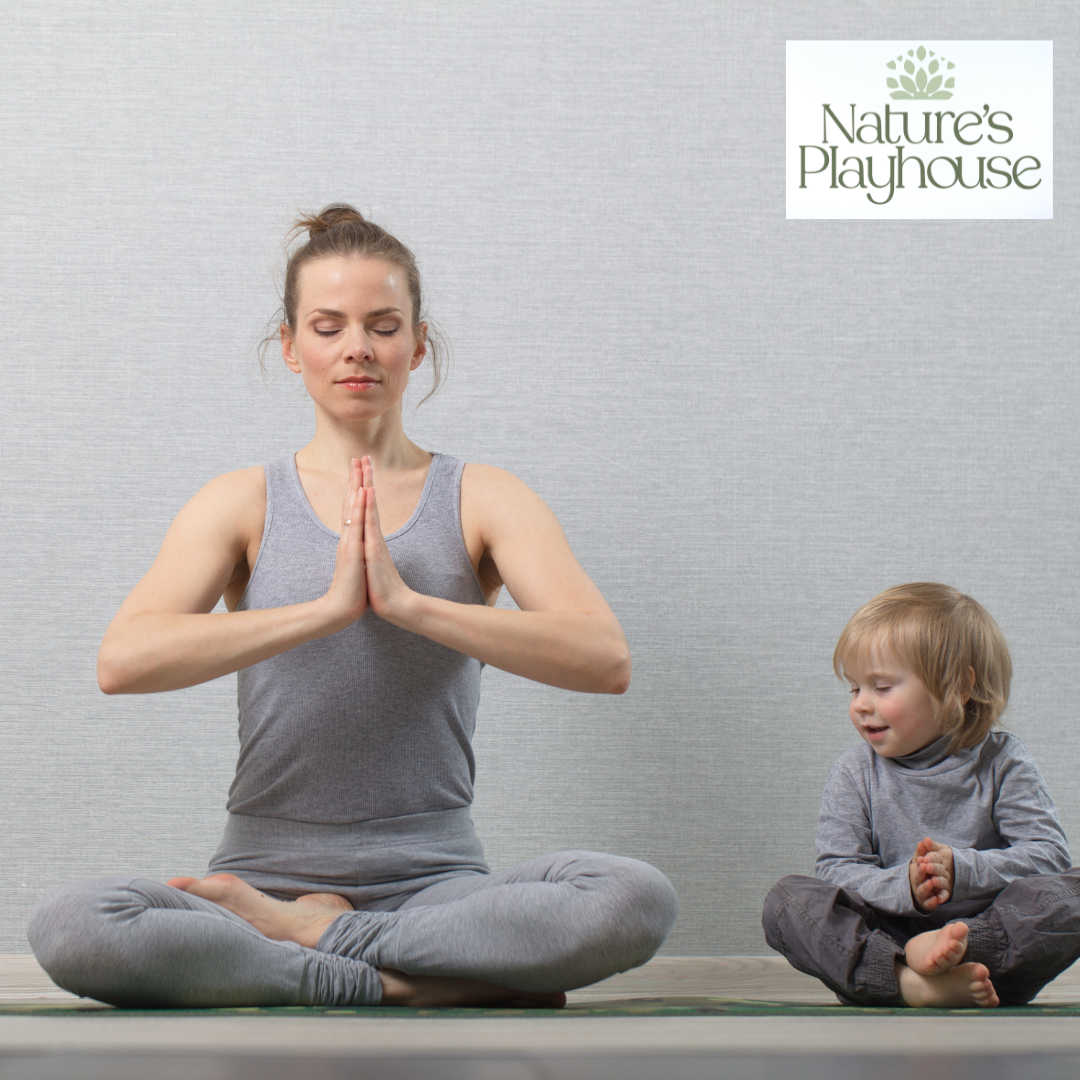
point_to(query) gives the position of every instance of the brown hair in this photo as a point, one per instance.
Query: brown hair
(943, 636)
(341, 230)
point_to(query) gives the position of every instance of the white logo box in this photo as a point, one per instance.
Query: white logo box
(996, 85)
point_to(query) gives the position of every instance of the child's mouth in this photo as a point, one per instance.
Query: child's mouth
(874, 732)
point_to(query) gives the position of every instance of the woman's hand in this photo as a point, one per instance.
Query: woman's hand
(166, 634)
(348, 592)
(564, 633)
(386, 592)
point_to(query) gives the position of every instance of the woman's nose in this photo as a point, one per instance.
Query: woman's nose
(358, 345)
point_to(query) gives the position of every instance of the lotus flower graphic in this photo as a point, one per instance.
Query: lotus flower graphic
(923, 83)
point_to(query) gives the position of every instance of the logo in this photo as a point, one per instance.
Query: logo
(925, 83)
(926, 129)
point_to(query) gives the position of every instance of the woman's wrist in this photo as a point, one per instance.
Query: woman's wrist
(404, 608)
(330, 616)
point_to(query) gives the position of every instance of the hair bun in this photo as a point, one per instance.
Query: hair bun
(327, 218)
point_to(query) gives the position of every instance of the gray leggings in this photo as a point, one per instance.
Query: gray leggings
(549, 924)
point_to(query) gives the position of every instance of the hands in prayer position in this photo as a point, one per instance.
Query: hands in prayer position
(931, 874)
(364, 575)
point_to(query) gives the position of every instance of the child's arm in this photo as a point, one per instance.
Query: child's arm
(1028, 825)
(846, 855)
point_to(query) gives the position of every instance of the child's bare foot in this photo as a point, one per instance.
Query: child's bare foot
(302, 920)
(961, 987)
(935, 951)
(434, 991)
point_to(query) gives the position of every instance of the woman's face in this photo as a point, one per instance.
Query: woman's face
(354, 343)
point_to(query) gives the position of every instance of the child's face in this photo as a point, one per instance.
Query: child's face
(890, 707)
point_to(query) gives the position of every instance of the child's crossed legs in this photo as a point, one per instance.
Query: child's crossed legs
(1024, 938)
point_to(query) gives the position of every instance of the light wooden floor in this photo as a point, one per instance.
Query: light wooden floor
(539, 1038)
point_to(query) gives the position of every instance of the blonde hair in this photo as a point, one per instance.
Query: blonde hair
(341, 230)
(950, 641)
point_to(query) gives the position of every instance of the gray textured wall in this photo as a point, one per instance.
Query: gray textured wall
(747, 425)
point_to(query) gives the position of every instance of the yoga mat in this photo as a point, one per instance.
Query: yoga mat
(656, 1006)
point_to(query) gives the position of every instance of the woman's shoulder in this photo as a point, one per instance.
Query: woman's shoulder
(233, 502)
(482, 476)
(492, 485)
(235, 489)
(503, 506)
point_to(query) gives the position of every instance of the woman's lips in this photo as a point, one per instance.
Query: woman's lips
(358, 384)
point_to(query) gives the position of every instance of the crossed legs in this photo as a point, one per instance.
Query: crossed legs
(1004, 951)
(304, 920)
(867, 958)
(522, 936)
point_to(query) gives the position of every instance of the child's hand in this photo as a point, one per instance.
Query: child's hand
(921, 889)
(933, 865)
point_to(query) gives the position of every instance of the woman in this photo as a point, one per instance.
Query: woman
(360, 576)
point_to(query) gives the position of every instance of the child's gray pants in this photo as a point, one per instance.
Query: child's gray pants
(1027, 935)
(550, 924)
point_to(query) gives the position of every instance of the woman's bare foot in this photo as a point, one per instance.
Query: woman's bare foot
(302, 920)
(935, 951)
(434, 991)
(961, 987)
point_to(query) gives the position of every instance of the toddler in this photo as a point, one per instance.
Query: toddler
(943, 873)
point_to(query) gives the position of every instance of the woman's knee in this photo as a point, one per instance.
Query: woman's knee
(640, 903)
(73, 930)
(654, 900)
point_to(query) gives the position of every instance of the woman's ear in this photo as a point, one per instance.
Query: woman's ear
(421, 347)
(288, 350)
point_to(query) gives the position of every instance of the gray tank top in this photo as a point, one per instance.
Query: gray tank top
(374, 721)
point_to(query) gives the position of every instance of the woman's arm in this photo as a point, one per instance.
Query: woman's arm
(564, 635)
(164, 636)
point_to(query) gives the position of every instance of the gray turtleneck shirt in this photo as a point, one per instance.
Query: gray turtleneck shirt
(989, 803)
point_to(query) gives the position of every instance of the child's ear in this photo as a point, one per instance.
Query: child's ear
(969, 685)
